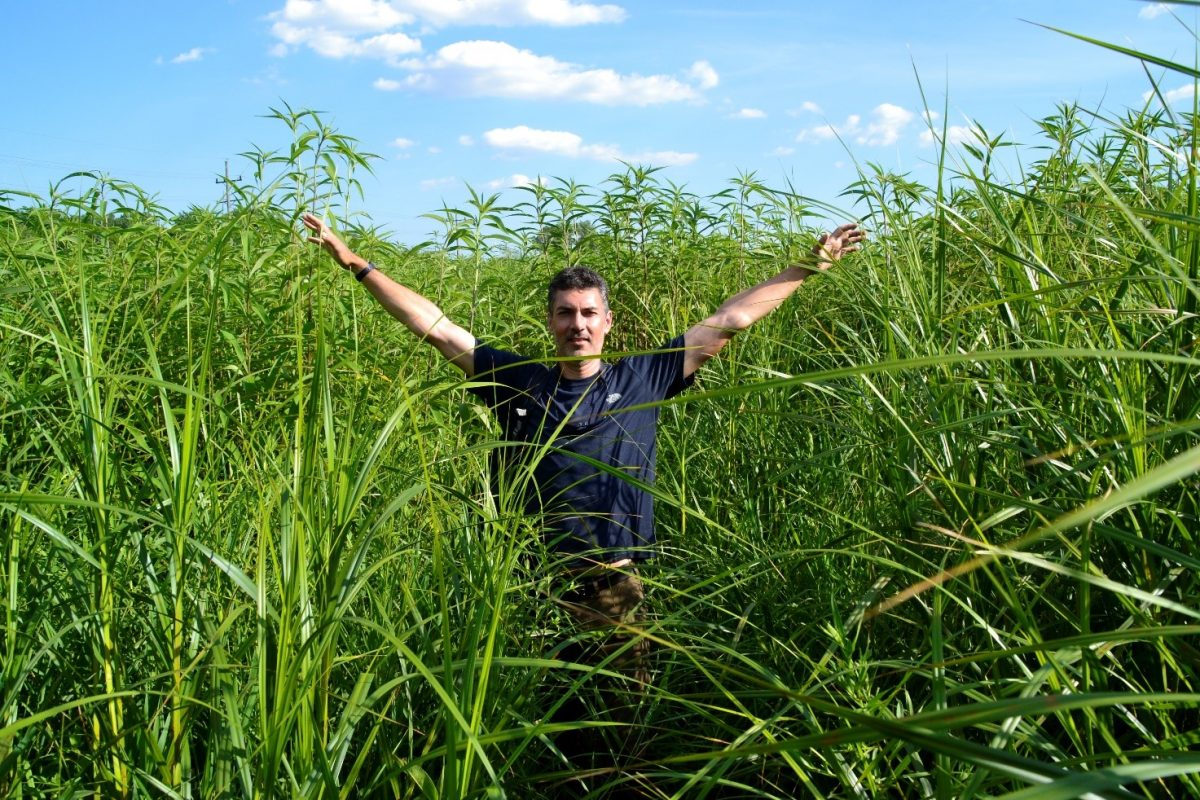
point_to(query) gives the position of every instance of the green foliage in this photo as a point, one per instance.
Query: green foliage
(928, 530)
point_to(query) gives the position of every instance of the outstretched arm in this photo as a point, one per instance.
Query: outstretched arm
(419, 314)
(705, 339)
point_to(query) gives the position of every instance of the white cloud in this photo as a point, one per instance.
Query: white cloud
(195, 54)
(662, 158)
(336, 28)
(515, 180)
(433, 183)
(825, 131)
(523, 137)
(1172, 96)
(433, 150)
(571, 145)
(388, 45)
(782, 151)
(402, 143)
(704, 75)
(807, 107)
(559, 13)
(749, 113)
(1154, 10)
(1185, 92)
(955, 134)
(497, 69)
(339, 44)
(374, 29)
(340, 28)
(466, 141)
(345, 15)
(884, 127)
(887, 122)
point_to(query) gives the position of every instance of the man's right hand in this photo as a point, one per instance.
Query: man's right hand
(329, 240)
(418, 313)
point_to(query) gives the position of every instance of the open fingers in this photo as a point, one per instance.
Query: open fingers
(316, 224)
(843, 239)
(850, 237)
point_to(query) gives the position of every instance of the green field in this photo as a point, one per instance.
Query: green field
(929, 530)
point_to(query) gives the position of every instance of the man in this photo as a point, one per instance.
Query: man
(584, 438)
(600, 516)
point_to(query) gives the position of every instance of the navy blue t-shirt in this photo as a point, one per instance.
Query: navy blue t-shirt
(563, 425)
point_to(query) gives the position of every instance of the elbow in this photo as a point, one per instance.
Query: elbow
(732, 321)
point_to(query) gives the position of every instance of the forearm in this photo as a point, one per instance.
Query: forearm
(750, 305)
(705, 339)
(418, 313)
(423, 317)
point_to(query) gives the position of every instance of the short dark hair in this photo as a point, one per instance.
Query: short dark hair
(576, 278)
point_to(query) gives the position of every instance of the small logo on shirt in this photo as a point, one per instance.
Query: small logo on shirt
(612, 398)
(522, 412)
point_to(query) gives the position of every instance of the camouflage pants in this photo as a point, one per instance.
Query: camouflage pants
(599, 607)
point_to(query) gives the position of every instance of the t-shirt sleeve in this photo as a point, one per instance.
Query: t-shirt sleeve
(663, 369)
(499, 375)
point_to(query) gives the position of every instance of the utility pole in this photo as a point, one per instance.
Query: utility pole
(226, 182)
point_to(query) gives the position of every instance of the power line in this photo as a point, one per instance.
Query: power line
(76, 167)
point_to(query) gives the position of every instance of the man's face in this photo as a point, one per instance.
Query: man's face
(579, 322)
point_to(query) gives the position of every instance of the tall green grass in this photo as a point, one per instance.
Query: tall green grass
(928, 530)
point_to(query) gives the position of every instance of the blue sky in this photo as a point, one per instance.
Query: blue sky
(491, 93)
